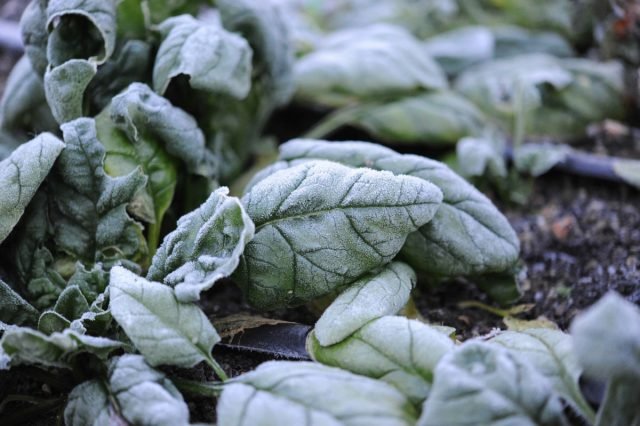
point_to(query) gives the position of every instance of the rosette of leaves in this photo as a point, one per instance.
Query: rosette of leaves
(540, 95)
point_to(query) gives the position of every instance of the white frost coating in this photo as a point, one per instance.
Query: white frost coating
(607, 338)
(21, 175)
(311, 394)
(163, 329)
(467, 235)
(366, 63)
(214, 59)
(374, 296)
(205, 247)
(321, 225)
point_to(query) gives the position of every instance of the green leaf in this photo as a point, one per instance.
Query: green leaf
(64, 87)
(123, 156)
(607, 338)
(551, 353)
(375, 295)
(513, 41)
(293, 393)
(454, 242)
(263, 25)
(607, 343)
(33, 26)
(23, 106)
(140, 114)
(481, 156)
(130, 63)
(213, 59)
(27, 346)
(432, 119)
(14, 309)
(205, 247)
(52, 322)
(71, 303)
(163, 329)
(491, 386)
(81, 29)
(20, 176)
(88, 212)
(321, 226)
(396, 350)
(365, 64)
(134, 393)
(460, 48)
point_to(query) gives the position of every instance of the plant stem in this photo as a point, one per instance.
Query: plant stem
(192, 387)
(333, 121)
(217, 369)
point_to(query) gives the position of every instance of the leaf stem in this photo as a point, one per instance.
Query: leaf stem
(333, 121)
(217, 369)
(192, 387)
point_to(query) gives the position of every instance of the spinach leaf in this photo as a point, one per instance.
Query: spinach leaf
(396, 350)
(89, 211)
(133, 392)
(311, 394)
(20, 176)
(607, 343)
(366, 64)
(140, 113)
(163, 329)
(551, 353)
(454, 242)
(64, 87)
(24, 109)
(27, 346)
(14, 309)
(490, 385)
(262, 24)
(214, 59)
(321, 226)
(33, 26)
(380, 293)
(206, 246)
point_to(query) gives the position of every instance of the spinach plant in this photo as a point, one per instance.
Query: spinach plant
(114, 226)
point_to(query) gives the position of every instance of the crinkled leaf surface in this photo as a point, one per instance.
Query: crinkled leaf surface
(163, 329)
(551, 353)
(263, 25)
(14, 309)
(214, 59)
(206, 246)
(456, 241)
(380, 293)
(27, 346)
(364, 64)
(305, 393)
(142, 396)
(64, 87)
(321, 225)
(123, 156)
(20, 176)
(89, 210)
(396, 350)
(138, 111)
(492, 386)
